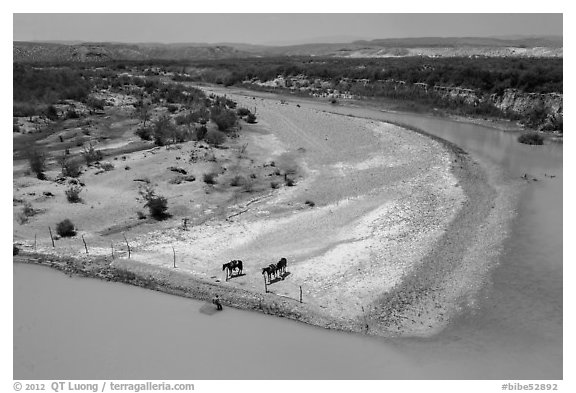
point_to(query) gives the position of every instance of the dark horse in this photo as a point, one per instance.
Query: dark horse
(281, 266)
(269, 270)
(231, 266)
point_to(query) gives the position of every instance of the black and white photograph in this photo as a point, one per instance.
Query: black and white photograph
(287, 196)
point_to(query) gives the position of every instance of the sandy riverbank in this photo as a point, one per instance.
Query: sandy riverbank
(390, 247)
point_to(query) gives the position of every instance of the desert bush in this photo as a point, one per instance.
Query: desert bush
(65, 228)
(274, 184)
(107, 166)
(290, 182)
(95, 103)
(215, 137)
(15, 250)
(224, 118)
(91, 155)
(531, 138)
(141, 215)
(201, 133)
(243, 112)
(172, 108)
(73, 194)
(163, 130)
(72, 114)
(26, 212)
(209, 178)
(71, 166)
(310, 203)
(51, 112)
(156, 204)
(15, 128)
(237, 181)
(251, 118)
(37, 161)
(146, 133)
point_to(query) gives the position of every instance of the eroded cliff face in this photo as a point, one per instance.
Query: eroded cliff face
(521, 103)
(541, 111)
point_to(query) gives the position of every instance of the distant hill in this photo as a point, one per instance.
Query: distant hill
(97, 52)
(389, 47)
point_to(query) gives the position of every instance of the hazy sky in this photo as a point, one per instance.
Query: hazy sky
(274, 28)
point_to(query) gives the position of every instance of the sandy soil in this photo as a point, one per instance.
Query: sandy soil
(393, 225)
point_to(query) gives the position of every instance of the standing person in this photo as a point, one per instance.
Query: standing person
(216, 301)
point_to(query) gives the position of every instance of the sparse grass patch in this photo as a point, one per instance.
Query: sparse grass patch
(107, 166)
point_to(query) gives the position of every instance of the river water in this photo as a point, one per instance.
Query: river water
(74, 328)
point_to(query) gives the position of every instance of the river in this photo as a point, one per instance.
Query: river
(73, 328)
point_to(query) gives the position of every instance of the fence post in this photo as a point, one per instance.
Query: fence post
(85, 246)
(51, 237)
(34, 242)
(112, 247)
(300, 293)
(265, 285)
(174, 252)
(127, 245)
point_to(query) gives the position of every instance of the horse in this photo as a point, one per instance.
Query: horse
(269, 270)
(281, 265)
(231, 266)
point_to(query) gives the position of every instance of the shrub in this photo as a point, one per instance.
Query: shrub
(157, 205)
(92, 155)
(145, 133)
(274, 184)
(237, 181)
(215, 137)
(243, 112)
(107, 166)
(251, 118)
(531, 138)
(72, 114)
(73, 194)
(209, 178)
(224, 118)
(66, 228)
(95, 103)
(71, 167)
(310, 203)
(15, 250)
(163, 129)
(172, 108)
(140, 215)
(51, 112)
(37, 161)
(290, 182)
(27, 212)
(201, 133)
(15, 128)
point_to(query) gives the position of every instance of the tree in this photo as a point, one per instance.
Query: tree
(156, 204)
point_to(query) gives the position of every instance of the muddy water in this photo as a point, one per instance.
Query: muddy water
(78, 328)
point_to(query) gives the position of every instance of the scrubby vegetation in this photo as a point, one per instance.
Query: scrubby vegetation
(73, 194)
(37, 161)
(156, 204)
(65, 228)
(531, 138)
